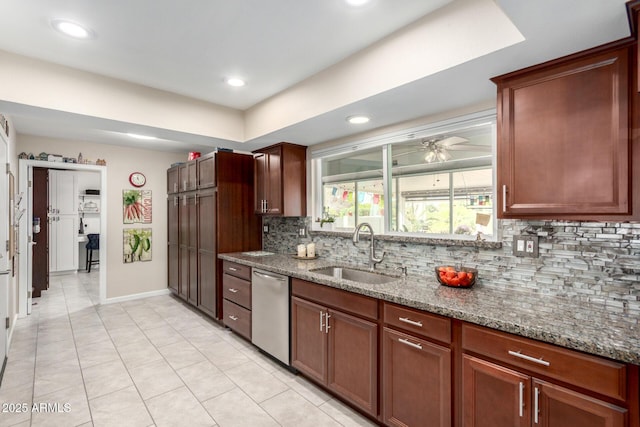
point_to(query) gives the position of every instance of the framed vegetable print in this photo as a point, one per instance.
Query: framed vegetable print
(136, 245)
(136, 206)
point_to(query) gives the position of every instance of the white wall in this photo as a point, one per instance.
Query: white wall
(123, 279)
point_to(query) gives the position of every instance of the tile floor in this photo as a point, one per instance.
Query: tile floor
(147, 362)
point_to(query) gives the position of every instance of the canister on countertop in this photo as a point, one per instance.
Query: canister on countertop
(302, 251)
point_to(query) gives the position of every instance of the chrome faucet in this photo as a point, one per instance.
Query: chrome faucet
(372, 252)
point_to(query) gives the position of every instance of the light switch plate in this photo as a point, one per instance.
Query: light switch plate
(525, 246)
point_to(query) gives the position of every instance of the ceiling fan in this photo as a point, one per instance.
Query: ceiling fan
(437, 148)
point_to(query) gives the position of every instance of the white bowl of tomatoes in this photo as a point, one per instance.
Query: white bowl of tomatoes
(461, 277)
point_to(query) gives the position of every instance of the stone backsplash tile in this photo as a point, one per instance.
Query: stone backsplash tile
(596, 261)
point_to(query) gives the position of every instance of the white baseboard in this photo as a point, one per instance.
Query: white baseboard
(137, 296)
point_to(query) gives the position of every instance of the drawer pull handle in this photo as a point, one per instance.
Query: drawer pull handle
(233, 269)
(521, 399)
(529, 358)
(234, 318)
(410, 344)
(235, 291)
(536, 407)
(409, 321)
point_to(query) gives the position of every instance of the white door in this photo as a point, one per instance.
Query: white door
(63, 220)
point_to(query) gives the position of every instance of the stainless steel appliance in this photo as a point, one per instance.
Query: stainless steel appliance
(270, 313)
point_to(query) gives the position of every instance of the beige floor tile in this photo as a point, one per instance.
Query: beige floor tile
(52, 378)
(138, 353)
(205, 380)
(256, 382)
(224, 355)
(345, 415)
(181, 354)
(66, 407)
(154, 378)
(19, 399)
(97, 353)
(18, 372)
(235, 409)
(290, 409)
(128, 335)
(106, 378)
(123, 408)
(163, 335)
(169, 409)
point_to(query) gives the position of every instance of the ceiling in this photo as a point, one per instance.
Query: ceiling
(189, 47)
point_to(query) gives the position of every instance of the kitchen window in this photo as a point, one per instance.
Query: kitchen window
(436, 182)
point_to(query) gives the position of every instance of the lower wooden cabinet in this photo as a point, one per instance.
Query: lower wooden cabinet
(335, 348)
(416, 381)
(236, 291)
(495, 396)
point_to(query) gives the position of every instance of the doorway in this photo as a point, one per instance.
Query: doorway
(27, 239)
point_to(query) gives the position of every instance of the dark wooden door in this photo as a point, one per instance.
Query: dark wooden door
(494, 396)
(206, 217)
(173, 241)
(192, 248)
(353, 359)
(40, 263)
(309, 339)
(173, 180)
(564, 139)
(274, 180)
(206, 169)
(260, 182)
(416, 381)
(560, 407)
(183, 251)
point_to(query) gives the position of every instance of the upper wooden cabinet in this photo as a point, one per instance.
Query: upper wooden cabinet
(206, 171)
(192, 175)
(564, 138)
(281, 180)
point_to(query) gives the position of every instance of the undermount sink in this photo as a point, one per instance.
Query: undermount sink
(355, 275)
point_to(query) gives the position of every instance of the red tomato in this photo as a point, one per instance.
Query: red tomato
(450, 274)
(454, 281)
(462, 275)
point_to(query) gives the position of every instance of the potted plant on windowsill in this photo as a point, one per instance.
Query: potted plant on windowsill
(326, 223)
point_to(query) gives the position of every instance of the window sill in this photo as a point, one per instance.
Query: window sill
(483, 244)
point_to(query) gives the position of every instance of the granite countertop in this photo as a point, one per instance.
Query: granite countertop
(611, 332)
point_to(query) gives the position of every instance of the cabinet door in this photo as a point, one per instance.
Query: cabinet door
(206, 169)
(560, 407)
(260, 184)
(494, 396)
(63, 243)
(192, 249)
(173, 266)
(206, 237)
(64, 187)
(353, 359)
(173, 180)
(183, 283)
(564, 139)
(309, 339)
(416, 381)
(274, 180)
(173, 225)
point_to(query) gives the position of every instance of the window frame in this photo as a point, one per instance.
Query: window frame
(383, 141)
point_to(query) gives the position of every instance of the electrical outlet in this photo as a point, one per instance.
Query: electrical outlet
(525, 246)
(302, 232)
(265, 229)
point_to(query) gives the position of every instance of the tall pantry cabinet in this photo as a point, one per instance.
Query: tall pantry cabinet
(210, 211)
(63, 220)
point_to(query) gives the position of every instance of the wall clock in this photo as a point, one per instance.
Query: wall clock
(137, 179)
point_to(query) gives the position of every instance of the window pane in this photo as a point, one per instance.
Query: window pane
(473, 204)
(352, 190)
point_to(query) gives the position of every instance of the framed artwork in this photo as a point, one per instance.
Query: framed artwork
(136, 206)
(136, 245)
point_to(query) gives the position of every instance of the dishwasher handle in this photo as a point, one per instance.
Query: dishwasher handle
(267, 276)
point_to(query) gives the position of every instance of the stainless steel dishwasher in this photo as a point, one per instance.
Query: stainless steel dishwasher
(270, 313)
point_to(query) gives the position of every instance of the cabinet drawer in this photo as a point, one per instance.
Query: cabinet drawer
(590, 372)
(336, 298)
(238, 270)
(237, 318)
(425, 324)
(236, 290)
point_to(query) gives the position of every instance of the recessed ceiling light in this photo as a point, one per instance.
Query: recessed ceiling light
(138, 136)
(356, 2)
(72, 29)
(357, 120)
(235, 82)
